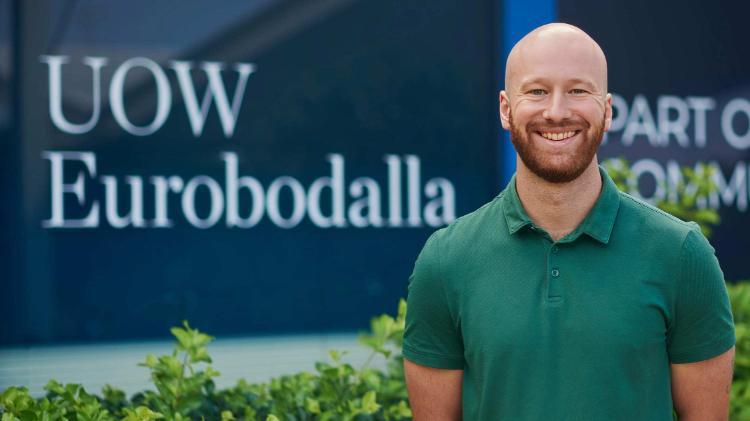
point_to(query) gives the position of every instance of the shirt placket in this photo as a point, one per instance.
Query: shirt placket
(554, 273)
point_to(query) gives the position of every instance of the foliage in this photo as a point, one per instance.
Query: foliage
(691, 192)
(184, 388)
(739, 295)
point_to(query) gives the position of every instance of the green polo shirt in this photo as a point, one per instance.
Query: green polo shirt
(583, 328)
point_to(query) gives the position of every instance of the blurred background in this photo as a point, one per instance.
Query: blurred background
(269, 170)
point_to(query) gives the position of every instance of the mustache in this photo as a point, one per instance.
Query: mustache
(538, 126)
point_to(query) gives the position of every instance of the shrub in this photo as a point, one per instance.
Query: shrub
(184, 388)
(739, 295)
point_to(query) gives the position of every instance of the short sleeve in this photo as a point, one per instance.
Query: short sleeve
(702, 325)
(431, 337)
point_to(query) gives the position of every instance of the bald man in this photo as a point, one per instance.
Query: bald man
(563, 298)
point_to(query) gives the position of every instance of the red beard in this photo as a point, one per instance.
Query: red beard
(557, 168)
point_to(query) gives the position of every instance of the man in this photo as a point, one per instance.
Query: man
(562, 298)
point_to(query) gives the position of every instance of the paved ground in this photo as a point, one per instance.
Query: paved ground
(254, 359)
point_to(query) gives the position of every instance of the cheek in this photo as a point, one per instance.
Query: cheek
(592, 113)
(525, 112)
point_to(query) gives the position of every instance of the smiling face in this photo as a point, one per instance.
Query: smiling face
(555, 103)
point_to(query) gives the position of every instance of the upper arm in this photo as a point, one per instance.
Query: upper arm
(433, 344)
(700, 390)
(432, 334)
(701, 325)
(434, 394)
(701, 337)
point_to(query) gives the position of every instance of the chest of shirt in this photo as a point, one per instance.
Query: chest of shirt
(577, 298)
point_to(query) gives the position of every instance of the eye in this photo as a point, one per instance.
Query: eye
(536, 92)
(578, 91)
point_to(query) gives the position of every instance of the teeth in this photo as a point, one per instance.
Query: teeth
(557, 136)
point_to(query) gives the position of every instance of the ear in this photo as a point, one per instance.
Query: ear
(504, 109)
(607, 112)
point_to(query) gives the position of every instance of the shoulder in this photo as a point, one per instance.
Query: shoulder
(650, 224)
(473, 226)
(462, 242)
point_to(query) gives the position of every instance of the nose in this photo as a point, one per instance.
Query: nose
(557, 108)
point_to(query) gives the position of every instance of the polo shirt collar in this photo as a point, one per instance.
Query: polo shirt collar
(598, 223)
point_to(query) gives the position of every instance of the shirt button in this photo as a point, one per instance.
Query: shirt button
(555, 272)
(555, 249)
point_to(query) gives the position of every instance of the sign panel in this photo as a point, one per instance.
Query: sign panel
(277, 172)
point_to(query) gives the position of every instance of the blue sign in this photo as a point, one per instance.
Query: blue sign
(278, 173)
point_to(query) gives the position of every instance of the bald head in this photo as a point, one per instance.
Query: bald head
(557, 44)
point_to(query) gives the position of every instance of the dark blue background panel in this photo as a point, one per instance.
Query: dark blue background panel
(387, 107)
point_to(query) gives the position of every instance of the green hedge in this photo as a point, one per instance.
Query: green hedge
(184, 388)
(739, 295)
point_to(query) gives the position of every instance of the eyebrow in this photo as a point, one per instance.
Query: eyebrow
(543, 81)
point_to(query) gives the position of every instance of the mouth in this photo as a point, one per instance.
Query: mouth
(558, 136)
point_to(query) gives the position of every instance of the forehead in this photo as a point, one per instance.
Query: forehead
(559, 58)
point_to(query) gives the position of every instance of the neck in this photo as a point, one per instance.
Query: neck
(558, 208)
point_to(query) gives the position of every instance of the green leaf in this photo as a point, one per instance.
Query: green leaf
(369, 403)
(312, 406)
(401, 317)
(336, 355)
(141, 413)
(150, 361)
